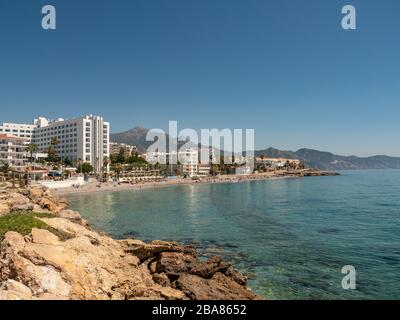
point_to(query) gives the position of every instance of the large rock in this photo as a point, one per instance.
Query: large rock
(219, 287)
(209, 268)
(72, 215)
(35, 193)
(13, 290)
(51, 204)
(13, 200)
(4, 208)
(174, 263)
(22, 207)
(38, 209)
(145, 251)
(41, 236)
(236, 276)
(86, 266)
(161, 279)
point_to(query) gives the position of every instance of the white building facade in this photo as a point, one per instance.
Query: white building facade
(20, 130)
(190, 161)
(13, 150)
(115, 148)
(84, 139)
(188, 158)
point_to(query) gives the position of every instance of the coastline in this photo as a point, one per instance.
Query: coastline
(93, 187)
(41, 239)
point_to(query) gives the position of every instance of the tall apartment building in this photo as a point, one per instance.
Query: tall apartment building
(13, 150)
(18, 130)
(190, 161)
(84, 139)
(115, 148)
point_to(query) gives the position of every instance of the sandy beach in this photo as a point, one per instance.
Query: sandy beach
(113, 186)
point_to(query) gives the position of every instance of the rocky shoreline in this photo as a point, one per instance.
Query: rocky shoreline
(62, 258)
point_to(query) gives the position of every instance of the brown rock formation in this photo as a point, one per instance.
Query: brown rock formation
(83, 264)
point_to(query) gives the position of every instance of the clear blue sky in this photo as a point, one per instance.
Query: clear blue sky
(284, 68)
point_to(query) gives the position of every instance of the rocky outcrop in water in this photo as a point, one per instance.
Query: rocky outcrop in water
(68, 260)
(178, 266)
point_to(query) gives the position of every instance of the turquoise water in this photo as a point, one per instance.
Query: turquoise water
(292, 236)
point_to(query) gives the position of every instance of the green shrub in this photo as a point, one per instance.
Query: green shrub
(24, 222)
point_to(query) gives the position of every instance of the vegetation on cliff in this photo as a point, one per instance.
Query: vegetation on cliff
(24, 222)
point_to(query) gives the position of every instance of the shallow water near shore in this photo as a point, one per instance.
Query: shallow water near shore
(292, 236)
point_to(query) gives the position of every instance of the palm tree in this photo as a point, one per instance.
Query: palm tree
(79, 164)
(5, 168)
(51, 150)
(54, 141)
(31, 149)
(118, 169)
(106, 162)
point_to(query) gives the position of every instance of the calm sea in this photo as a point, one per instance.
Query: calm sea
(291, 236)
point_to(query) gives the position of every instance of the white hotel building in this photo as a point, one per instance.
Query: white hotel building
(189, 158)
(18, 130)
(84, 139)
(12, 150)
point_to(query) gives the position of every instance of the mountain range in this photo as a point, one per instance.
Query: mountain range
(313, 158)
(137, 137)
(329, 161)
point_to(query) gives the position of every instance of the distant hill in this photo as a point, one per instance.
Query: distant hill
(312, 158)
(137, 137)
(329, 161)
